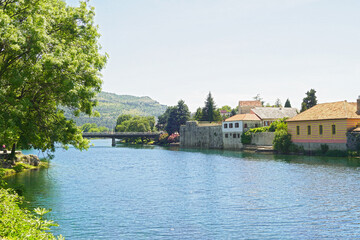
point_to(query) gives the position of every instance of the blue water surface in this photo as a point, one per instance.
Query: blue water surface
(160, 193)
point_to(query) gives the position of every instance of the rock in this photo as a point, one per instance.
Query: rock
(34, 160)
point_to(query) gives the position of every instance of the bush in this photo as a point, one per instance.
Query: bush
(282, 141)
(259, 129)
(324, 148)
(278, 125)
(246, 138)
(163, 139)
(175, 137)
(19, 167)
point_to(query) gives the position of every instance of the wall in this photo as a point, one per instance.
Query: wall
(262, 138)
(193, 135)
(232, 140)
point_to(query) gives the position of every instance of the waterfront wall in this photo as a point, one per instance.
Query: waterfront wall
(262, 138)
(193, 135)
(317, 146)
(232, 141)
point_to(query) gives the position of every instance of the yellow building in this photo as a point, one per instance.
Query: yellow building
(326, 123)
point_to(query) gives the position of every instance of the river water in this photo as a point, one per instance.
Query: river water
(160, 193)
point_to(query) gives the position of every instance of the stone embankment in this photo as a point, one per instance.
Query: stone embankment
(12, 166)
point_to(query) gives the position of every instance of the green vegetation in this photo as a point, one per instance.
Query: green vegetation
(287, 104)
(128, 123)
(246, 137)
(111, 105)
(173, 118)
(209, 112)
(19, 223)
(282, 141)
(309, 101)
(49, 59)
(92, 127)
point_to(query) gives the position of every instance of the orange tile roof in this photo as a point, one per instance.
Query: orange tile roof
(243, 117)
(335, 110)
(255, 103)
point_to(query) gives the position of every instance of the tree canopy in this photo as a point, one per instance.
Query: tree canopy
(209, 112)
(287, 104)
(128, 123)
(309, 101)
(174, 117)
(49, 59)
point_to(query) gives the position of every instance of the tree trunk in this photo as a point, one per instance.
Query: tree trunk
(12, 154)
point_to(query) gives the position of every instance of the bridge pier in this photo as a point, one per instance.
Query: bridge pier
(113, 144)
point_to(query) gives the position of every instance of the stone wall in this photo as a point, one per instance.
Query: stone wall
(262, 138)
(317, 146)
(193, 135)
(232, 141)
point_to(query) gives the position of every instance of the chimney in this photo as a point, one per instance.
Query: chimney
(358, 105)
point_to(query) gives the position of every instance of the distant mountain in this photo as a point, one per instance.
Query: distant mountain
(112, 105)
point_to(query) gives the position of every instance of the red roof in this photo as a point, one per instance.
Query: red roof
(255, 103)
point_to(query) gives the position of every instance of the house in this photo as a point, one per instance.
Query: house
(326, 123)
(224, 113)
(234, 126)
(246, 106)
(269, 115)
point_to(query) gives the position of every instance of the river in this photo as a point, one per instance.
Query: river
(162, 193)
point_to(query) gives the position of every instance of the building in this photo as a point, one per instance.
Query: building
(269, 115)
(246, 106)
(233, 127)
(326, 123)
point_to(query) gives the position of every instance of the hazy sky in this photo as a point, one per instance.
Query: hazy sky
(182, 49)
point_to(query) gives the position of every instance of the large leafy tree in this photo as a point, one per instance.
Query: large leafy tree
(309, 101)
(209, 112)
(128, 123)
(49, 59)
(174, 117)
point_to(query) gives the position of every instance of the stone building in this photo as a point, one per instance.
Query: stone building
(246, 106)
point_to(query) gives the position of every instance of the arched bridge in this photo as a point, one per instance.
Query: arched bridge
(120, 135)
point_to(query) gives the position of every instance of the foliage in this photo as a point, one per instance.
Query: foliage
(128, 123)
(227, 108)
(259, 129)
(282, 141)
(111, 105)
(246, 138)
(287, 104)
(278, 103)
(258, 98)
(233, 112)
(49, 59)
(163, 139)
(175, 137)
(17, 223)
(309, 101)
(209, 112)
(324, 148)
(92, 127)
(174, 117)
(278, 124)
(198, 114)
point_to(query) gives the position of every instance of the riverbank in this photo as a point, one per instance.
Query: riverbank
(20, 163)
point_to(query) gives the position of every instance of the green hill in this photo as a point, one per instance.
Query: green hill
(112, 105)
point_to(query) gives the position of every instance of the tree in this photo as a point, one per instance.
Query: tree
(278, 103)
(258, 98)
(128, 123)
(234, 111)
(49, 59)
(178, 116)
(287, 104)
(209, 112)
(227, 108)
(198, 114)
(309, 101)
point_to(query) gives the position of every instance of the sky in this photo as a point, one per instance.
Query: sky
(235, 49)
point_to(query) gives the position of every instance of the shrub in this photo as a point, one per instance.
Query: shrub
(259, 129)
(246, 138)
(282, 141)
(175, 137)
(19, 167)
(324, 148)
(163, 139)
(278, 125)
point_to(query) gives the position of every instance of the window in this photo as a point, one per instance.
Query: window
(320, 129)
(309, 130)
(238, 135)
(230, 125)
(226, 135)
(245, 126)
(234, 135)
(256, 125)
(333, 127)
(236, 125)
(225, 125)
(297, 130)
